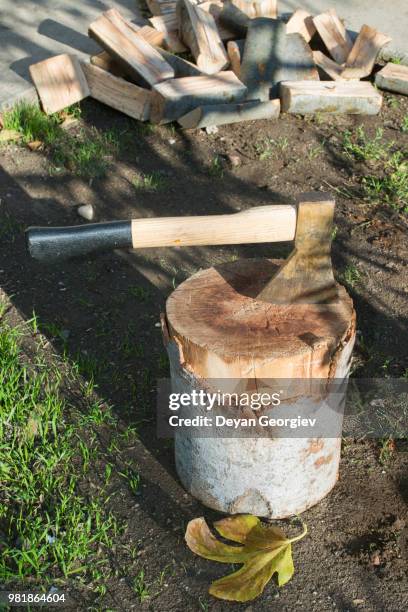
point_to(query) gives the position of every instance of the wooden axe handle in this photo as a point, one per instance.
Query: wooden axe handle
(272, 223)
(259, 224)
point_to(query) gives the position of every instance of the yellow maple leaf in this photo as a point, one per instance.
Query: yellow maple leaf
(262, 549)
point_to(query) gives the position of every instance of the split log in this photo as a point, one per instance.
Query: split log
(329, 66)
(214, 7)
(167, 24)
(161, 7)
(118, 93)
(219, 337)
(223, 114)
(271, 56)
(60, 82)
(234, 19)
(173, 99)
(334, 35)
(361, 60)
(352, 97)
(149, 34)
(235, 50)
(301, 22)
(106, 62)
(199, 32)
(257, 8)
(138, 58)
(393, 77)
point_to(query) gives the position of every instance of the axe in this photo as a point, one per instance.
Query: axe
(306, 276)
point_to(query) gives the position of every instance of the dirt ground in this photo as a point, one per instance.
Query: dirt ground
(107, 307)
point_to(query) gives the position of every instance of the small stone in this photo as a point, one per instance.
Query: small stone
(375, 559)
(234, 160)
(86, 211)
(172, 141)
(357, 602)
(211, 129)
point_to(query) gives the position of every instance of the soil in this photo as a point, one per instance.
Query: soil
(108, 306)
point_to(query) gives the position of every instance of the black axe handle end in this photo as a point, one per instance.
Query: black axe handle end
(48, 244)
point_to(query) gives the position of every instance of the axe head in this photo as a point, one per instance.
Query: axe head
(307, 277)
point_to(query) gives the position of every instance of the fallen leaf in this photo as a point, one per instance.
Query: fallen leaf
(263, 550)
(9, 135)
(35, 145)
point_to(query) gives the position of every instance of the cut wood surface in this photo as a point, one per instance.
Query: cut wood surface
(301, 22)
(106, 62)
(60, 82)
(137, 56)
(271, 223)
(361, 60)
(235, 50)
(216, 311)
(393, 77)
(329, 66)
(223, 114)
(198, 30)
(334, 35)
(257, 8)
(353, 97)
(118, 93)
(148, 33)
(271, 56)
(173, 99)
(167, 24)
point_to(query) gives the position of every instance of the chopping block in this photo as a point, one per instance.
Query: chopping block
(248, 326)
(256, 325)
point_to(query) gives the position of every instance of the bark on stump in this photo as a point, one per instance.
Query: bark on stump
(216, 328)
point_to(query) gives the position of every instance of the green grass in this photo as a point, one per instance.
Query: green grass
(155, 181)
(358, 146)
(140, 587)
(351, 275)
(86, 153)
(216, 169)
(404, 124)
(389, 184)
(49, 529)
(391, 187)
(32, 123)
(269, 147)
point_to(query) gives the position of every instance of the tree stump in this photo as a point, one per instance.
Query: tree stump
(216, 328)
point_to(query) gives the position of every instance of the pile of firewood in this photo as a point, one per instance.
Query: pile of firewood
(246, 63)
